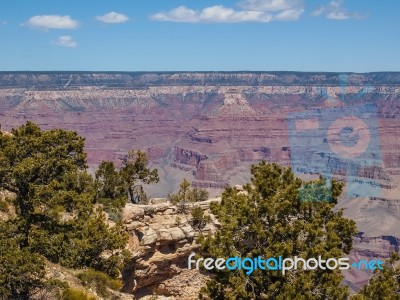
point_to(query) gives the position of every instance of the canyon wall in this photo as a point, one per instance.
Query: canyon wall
(209, 127)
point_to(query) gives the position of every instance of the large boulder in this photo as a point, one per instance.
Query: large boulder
(132, 212)
(149, 237)
(177, 234)
(170, 234)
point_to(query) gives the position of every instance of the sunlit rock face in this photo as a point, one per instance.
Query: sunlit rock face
(161, 238)
(209, 127)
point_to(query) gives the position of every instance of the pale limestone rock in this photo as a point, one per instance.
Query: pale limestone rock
(132, 212)
(238, 188)
(156, 208)
(188, 231)
(166, 240)
(165, 220)
(150, 237)
(164, 235)
(177, 234)
(158, 200)
(135, 225)
(185, 285)
(170, 211)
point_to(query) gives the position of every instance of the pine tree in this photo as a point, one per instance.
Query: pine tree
(272, 219)
(55, 199)
(135, 172)
(186, 195)
(116, 186)
(21, 272)
(384, 284)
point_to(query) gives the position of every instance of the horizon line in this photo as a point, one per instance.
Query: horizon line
(211, 71)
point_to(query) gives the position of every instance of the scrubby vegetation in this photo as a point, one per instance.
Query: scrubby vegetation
(384, 284)
(21, 271)
(187, 195)
(115, 186)
(76, 294)
(59, 207)
(199, 218)
(3, 206)
(100, 282)
(271, 220)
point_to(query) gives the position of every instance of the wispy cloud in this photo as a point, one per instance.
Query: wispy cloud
(334, 10)
(112, 18)
(271, 5)
(250, 11)
(66, 41)
(52, 22)
(3, 22)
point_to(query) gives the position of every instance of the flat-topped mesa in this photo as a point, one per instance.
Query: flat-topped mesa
(69, 80)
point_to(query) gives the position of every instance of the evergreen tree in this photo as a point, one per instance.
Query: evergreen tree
(55, 198)
(199, 218)
(135, 173)
(116, 186)
(21, 272)
(384, 284)
(110, 190)
(186, 195)
(272, 220)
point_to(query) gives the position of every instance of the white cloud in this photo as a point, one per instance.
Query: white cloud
(66, 41)
(258, 11)
(53, 22)
(213, 14)
(319, 11)
(335, 11)
(113, 18)
(3, 23)
(289, 15)
(272, 5)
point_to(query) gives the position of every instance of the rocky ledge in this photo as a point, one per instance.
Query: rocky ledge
(160, 240)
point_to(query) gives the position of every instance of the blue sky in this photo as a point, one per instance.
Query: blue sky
(203, 35)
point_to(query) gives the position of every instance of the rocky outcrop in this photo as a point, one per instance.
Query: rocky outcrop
(160, 241)
(188, 157)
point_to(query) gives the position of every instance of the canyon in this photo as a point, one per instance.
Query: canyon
(209, 127)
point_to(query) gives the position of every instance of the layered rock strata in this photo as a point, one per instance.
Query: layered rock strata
(160, 241)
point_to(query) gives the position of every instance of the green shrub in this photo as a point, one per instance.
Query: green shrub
(271, 220)
(75, 294)
(199, 194)
(99, 281)
(114, 213)
(52, 289)
(186, 195)
(55, 209)
(199, 220)
(21, 272)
